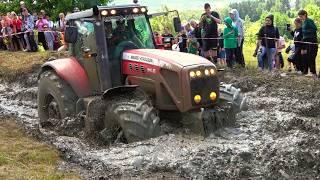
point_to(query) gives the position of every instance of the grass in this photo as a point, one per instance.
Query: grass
(23, 157)
(15, 64)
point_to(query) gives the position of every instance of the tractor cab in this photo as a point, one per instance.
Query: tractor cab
(104, 33)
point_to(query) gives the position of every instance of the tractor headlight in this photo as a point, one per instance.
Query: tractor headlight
(113, 12)
(198, 73)
(104, 13)
(143, 10)
(135, 10)
(213, 96)
(197, 99)
(212, 71)
(192, 74)
(207, 72)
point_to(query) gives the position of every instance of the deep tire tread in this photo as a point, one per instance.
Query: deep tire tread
(136, 116)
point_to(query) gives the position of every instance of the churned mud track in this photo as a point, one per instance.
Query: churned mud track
(278, 137)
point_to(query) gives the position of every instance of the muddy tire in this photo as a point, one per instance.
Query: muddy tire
(225, 114)
(134, 113)
(56, 99)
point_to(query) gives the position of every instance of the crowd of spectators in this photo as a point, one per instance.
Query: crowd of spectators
(36, 31)
(26, 31)
(204, 38)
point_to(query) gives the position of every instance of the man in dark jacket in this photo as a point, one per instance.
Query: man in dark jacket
(268, 39)
(310, 48)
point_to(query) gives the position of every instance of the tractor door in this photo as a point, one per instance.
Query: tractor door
(124, 33)
(85, 51)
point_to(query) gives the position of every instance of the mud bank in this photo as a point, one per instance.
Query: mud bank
(278, 138)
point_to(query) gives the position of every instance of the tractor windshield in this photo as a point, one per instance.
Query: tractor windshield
(133, 30)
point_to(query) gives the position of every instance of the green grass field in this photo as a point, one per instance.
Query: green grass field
(23, 157)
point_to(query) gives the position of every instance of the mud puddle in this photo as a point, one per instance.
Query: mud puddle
(277, 138)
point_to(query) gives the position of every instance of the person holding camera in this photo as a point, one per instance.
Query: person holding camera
(310, 47)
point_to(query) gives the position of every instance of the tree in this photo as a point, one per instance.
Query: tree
(52, 7)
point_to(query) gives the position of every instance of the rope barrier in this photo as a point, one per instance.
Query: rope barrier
(220, 38)
(13, 34)
(194, 38)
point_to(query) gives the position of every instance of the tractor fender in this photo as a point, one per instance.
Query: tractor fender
(112, 92)
(72, 72)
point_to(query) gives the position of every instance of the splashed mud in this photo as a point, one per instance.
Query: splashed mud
(277, 138)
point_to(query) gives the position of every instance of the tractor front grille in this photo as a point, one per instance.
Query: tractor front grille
(204, 86)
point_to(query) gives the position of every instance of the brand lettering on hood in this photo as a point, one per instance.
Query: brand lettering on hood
(139, 58)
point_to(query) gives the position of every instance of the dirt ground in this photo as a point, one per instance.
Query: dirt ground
(276, 138)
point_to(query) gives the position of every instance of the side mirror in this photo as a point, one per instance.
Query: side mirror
(177, 24)
(71, 34)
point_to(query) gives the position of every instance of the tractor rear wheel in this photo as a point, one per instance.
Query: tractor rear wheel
(134, 115)
(56, 99)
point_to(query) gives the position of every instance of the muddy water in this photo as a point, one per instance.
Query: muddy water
(278, 137)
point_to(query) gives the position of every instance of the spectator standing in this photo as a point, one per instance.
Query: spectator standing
(167, 39)
(221, 51)
(61, 25)
(296, 59)
(268, 35)
(230, 36)
(41, 24)
(22, 6)
(158, 40)
(183, 38)
(279, 63)
(17, 28)
(193, 44)
(6, 32)
(209, 31)
(238, 22)
(48, 33)
(197, 34)
(310, 48)
(27, 28)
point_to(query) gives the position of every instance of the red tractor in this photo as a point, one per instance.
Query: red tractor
(119, 82)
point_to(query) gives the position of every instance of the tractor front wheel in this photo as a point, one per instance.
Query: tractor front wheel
(134, 115)
(56, 99)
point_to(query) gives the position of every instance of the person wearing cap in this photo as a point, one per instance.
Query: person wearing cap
(238, 22)
(268, 39)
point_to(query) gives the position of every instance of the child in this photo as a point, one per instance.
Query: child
(193, 45)
(298, 37)
(291, 59)
(230, 36)
(175, 46)
(221, 51)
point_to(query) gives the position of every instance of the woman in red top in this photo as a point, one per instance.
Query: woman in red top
(17, 26)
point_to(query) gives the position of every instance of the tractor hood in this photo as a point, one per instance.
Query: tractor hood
(158, 57)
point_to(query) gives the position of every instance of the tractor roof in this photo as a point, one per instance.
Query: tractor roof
(90, 12)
